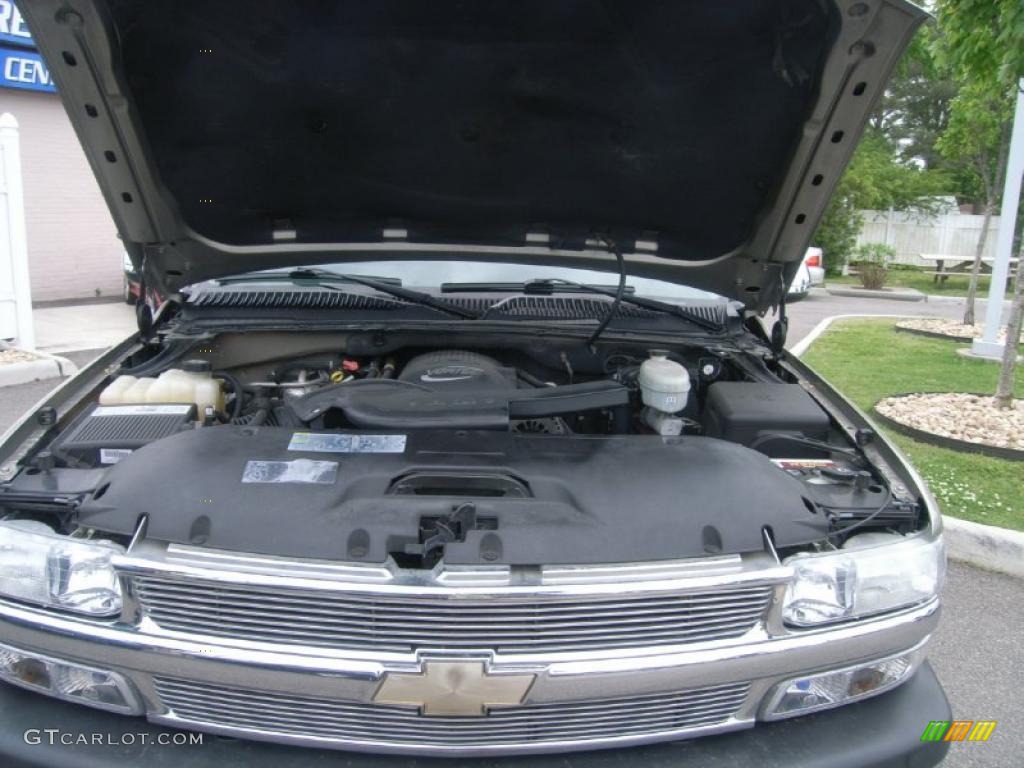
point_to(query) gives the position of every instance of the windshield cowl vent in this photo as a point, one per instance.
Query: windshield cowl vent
(547, 307)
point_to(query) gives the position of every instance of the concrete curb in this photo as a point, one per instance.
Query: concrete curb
(929, 298)
(46, 367)
(937, 299)
(969, 353)
(984, 546)
(907, 294)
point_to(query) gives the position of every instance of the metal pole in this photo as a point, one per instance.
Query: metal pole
(989, 345)
(10, 166)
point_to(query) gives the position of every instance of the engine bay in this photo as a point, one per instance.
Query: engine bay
(524, 453)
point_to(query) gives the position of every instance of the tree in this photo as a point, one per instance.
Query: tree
(977, 139)
(1004, 389)
(984, 42)
(837, 232)
(876, 179)
(915, 108)
(984, 39)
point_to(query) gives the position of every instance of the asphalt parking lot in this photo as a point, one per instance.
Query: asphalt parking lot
(804, 315)
(977, 651)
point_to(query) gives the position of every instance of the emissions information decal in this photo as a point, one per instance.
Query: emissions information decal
(114, 455)
(297, 471)
(320, 442)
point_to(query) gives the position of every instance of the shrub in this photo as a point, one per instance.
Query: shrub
(873, 264)
(837, 234)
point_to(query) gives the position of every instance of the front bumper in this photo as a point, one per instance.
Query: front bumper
(884, 731)
(145, 657)
(316, 696)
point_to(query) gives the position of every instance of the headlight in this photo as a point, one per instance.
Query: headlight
(40, 566)
(862, 580)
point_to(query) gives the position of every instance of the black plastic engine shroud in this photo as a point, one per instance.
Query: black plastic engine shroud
(556, 499)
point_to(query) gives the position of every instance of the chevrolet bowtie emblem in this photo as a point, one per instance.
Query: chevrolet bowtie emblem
(453, 688)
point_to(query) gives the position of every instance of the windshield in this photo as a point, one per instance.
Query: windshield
(430, 275)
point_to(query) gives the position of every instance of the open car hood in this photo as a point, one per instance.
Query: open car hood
(703, 139)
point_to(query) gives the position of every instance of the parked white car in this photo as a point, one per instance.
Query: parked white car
(811, 273)
(801, 284)
(814, 260)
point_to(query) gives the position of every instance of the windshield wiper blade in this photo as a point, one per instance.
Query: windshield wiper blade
(555, 284)
(281, 275)
(539, 287)
(652, 304)
(324, 278)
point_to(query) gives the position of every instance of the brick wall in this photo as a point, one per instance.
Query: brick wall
(73, 247)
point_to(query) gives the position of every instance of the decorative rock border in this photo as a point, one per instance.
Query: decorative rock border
(942, 441)
(933, 334)
(42, 366)
(906, 325)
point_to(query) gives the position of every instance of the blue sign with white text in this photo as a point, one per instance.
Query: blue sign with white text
(20, 68)
(12, 25)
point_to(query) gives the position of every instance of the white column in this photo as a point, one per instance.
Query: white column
(12, 229)
(989, 345)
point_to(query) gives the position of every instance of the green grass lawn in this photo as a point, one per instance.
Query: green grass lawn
(867, 360)
(953, 286)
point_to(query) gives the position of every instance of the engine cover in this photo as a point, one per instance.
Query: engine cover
(545, 499)
(458, 369)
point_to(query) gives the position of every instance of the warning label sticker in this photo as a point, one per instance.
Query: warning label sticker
(325, 442)
(297, 471)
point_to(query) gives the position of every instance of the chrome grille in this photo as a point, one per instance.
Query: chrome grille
(276, 714)
(349, 620)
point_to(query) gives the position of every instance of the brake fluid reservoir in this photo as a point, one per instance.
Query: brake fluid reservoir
(664, 385)
(665, 389)
(113, 393)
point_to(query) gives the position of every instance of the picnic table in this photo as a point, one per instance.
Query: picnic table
(946, 266)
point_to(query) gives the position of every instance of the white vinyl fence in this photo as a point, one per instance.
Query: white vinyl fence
(15, 293)
(950, 234)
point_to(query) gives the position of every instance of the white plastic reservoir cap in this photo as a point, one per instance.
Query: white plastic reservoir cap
(664, 384)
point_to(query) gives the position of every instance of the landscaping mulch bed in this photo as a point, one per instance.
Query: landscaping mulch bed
(959, 421)
(941, 328)
(11, 356)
